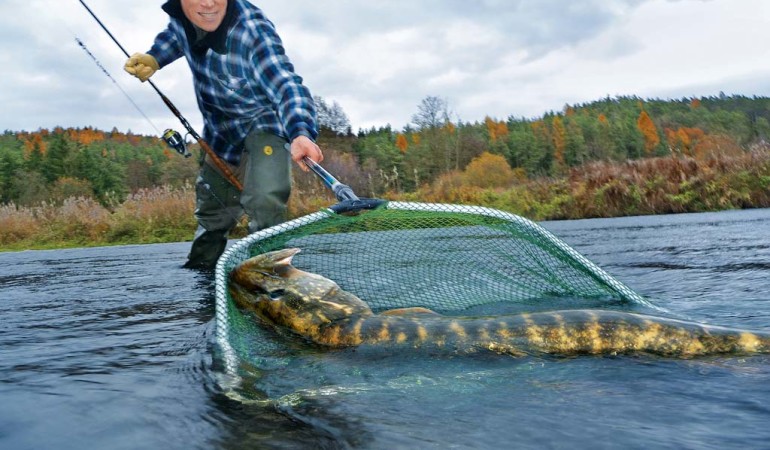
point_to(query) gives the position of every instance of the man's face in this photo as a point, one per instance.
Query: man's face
(205, 14)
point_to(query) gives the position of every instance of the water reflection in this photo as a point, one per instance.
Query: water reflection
(114, 348)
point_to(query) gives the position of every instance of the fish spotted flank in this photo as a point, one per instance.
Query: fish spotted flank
(317, 309)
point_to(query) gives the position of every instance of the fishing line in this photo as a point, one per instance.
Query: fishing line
(348, 200)
(171, 135)
(104, 70)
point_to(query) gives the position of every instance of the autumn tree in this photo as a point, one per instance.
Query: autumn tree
(35, 149)
(498, 130)
(401, 142)
(649, 132)
(716, 145)
(682, 140)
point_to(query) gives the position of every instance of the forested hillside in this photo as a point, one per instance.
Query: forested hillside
(50, 165)
(613, 129)
(615, 156)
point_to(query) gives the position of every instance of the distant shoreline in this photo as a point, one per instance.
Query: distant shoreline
(652, 186)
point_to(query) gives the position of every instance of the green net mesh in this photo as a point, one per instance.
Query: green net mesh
(443, 257)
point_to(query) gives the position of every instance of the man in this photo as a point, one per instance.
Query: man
(252, 104)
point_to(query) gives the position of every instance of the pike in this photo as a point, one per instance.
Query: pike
(318, 310)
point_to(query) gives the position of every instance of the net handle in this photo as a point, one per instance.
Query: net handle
(349, 202)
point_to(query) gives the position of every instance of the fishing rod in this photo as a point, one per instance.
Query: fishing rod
(349, 201)
(173, 138)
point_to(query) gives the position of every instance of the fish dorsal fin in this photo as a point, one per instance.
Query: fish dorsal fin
(408, 311)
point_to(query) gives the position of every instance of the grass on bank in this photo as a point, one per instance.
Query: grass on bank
(600, 189)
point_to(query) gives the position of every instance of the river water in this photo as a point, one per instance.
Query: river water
(114, 348)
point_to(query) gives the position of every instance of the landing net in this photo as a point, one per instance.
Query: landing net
(447, 258)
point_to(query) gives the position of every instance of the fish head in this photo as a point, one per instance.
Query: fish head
(278, 292)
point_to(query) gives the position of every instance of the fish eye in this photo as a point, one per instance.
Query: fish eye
(276, 294)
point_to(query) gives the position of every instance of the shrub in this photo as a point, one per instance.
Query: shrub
(17, 224)
(155, 215)
(489, 171)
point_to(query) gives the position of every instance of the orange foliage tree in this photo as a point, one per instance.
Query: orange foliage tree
(714, 146)
(603, 119)
(34, 142)
(402, 143)
(649, 132)
(497, 130)
(86, 136)
(683, 139)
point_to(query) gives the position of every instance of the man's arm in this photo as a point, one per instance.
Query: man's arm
(293, 101)
(165, 50)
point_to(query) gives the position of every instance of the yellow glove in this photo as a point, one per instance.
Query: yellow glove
(141, 65)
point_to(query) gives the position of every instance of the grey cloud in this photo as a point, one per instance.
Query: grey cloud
(755, 84)
(520, 31)
(495, 57)
(538, 26)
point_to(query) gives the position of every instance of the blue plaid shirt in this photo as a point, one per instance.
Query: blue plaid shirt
(243, 78)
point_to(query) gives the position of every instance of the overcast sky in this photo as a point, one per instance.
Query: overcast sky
(379, 59)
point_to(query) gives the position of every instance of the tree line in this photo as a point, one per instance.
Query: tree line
(613, 130)
(53, 165)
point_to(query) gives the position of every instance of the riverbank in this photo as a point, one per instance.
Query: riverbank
(600, 189)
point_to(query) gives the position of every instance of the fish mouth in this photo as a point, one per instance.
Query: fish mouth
(281, 257)
(268, 261)
(274, 264)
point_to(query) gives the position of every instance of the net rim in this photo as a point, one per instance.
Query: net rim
(222, 328)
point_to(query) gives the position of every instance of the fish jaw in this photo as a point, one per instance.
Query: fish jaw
(264, 271)
(255, 280)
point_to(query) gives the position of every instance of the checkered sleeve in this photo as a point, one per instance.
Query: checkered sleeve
(283, 86)
(166, 48)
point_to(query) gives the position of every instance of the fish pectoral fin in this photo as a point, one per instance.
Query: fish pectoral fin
(408, 311)
(505, 349)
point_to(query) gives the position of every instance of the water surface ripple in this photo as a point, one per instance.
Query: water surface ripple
(114, 348)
